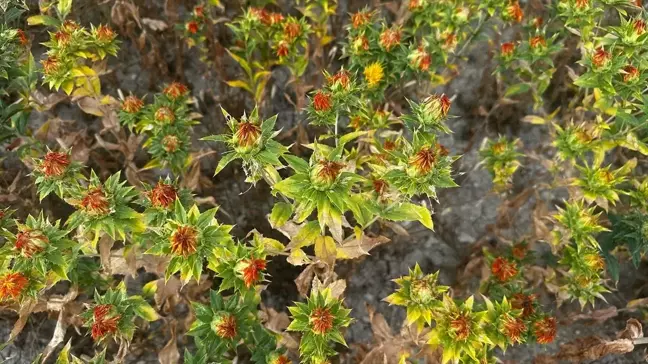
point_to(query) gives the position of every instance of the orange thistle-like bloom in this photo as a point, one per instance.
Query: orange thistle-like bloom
(507, 49)
(50, 65)
(105, 33)
(421, 59)
(380, 186)
(521, 301)
(271, 18)
(282, 49)
(199, 11)
(329, 170)
(520, 250)
(503, 269)
(69, 26)
(164, 114)
(95, 202)
(445, 104)
(192, 27)
(225, 326)
(631, 73)
(184, 240)
(537, 22)
(258, 14)
(170, 143)
(103, 326)
(413, 4)
(132, 104)
(12, 285)
(321, 320)
(281, 359)
(22, 37)
(175, 90)
(342, 78)
(62, 38)
(54, 164)
(362, 42)
(252, 270)
(545, 330)
(460, 326)
(537, 42)
(442, 150)
(322, 101)
(162, 195)
(389, 145)
(292, 30)
(514, 11)
(582, 4)
(359, 19)
(390, 38)
(513, 329)
(601, 57)
(247, 134)
(30, 242)
(450, 41)
(423, 160)
(594, 261)
(638, 3)
(639, 26)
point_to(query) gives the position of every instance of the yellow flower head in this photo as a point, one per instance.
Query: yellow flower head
(374, 74)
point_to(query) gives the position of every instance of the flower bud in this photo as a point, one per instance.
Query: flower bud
(325, 173)
(224, 326)
(322, 102)
(246, 137)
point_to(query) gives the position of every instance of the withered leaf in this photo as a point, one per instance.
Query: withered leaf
(379, 326)
(356, 248)
(303, 281)
(169, 353)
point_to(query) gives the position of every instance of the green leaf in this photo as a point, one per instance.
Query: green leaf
(240, 84)
(145, 311)
(43, 19)
(63, 7)
(306, 235)
(64, 355)
(225, 160)
(517, 89)
(281, 212)
(410, 212)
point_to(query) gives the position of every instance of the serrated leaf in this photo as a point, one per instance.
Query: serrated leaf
(281, 212)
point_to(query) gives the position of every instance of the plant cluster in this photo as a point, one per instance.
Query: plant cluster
(371, 164)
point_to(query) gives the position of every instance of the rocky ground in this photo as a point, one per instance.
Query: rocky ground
(464, 216)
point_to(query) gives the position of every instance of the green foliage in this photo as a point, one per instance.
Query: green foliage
(252, 141)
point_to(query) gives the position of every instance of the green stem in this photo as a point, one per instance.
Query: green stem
(482, 20)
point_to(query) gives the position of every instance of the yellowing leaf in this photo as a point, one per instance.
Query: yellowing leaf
(298, 257)
(533, 119)
(325, 249)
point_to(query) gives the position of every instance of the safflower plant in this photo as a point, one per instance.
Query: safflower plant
(370, 155)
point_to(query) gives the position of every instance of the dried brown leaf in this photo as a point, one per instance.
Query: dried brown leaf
(275, 321)
(599, 316)
(23, 315)
(337, 288)
(304, 280)
(57, 337)
(592, 348)
(379, 326)
(169, 353)
(155, 24)
(633, 330)
(356, 248)
(104, 245)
